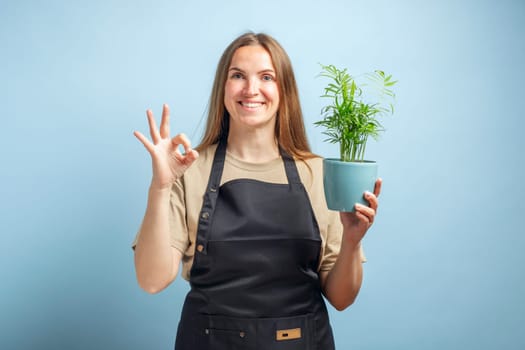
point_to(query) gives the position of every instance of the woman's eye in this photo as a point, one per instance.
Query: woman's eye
(236, 76)
(267, 77)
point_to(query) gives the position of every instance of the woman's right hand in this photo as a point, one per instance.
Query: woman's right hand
(168, 163)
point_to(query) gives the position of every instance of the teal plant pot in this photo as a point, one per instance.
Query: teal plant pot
(346, 182)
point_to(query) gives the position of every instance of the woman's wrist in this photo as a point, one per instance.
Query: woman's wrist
(156, 187)
(156, 193)
(350, 245)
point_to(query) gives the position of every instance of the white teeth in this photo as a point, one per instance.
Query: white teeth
(251, 104)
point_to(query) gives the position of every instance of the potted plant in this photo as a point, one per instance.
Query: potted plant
(351, 118)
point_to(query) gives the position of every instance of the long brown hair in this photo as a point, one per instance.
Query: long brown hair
(289, 126)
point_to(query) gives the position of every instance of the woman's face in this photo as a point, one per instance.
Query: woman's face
(251, 92)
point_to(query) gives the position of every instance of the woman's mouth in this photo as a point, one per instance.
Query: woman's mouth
(251, 105)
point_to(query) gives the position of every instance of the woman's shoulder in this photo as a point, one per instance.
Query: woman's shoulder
(313, 164)
(314, 161)
(311, 171)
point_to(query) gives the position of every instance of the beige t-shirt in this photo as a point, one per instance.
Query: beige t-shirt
(187, 197)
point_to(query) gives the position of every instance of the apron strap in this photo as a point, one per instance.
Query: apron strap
(217, 167)
(291, 168)
(210, 197)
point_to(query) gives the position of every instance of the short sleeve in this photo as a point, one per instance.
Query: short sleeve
(332, 244)
(332, 241)
(179, 237)
(178, 230)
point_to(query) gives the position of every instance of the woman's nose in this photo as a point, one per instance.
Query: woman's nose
(251, 88)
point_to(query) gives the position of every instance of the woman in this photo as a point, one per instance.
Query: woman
(246, 215)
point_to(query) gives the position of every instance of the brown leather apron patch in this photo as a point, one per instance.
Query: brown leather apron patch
(288, 334)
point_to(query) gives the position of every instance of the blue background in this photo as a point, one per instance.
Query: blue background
(446, 262)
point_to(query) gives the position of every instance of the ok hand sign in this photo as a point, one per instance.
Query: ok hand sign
(168, 163)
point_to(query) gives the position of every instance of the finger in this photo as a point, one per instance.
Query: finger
(188, 158)
(363, 218)
(155, 137)
(144, 141)
(165, 122)
(365, 213)
(192, 155)
(183, 140)
(363, 209)
(377, 187)
(372, 200)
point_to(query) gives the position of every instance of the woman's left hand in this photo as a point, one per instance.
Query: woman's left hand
(356, 223)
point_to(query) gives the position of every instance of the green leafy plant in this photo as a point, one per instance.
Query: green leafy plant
(350, 119)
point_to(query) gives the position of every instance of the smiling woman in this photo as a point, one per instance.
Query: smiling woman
(252, 100)
(251, 93)
(245, 213)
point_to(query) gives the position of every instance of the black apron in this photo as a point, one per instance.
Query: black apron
(254, 281)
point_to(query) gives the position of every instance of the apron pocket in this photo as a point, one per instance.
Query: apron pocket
(230, 333)
(226, 339)
(286, 333)
(224, 333)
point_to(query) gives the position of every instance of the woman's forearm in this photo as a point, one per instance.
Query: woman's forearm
(156, 262)
(342, 283)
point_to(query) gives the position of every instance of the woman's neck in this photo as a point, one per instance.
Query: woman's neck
(253, 146)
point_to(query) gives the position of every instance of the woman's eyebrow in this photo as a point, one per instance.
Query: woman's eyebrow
(236, 69)
(242, 71)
